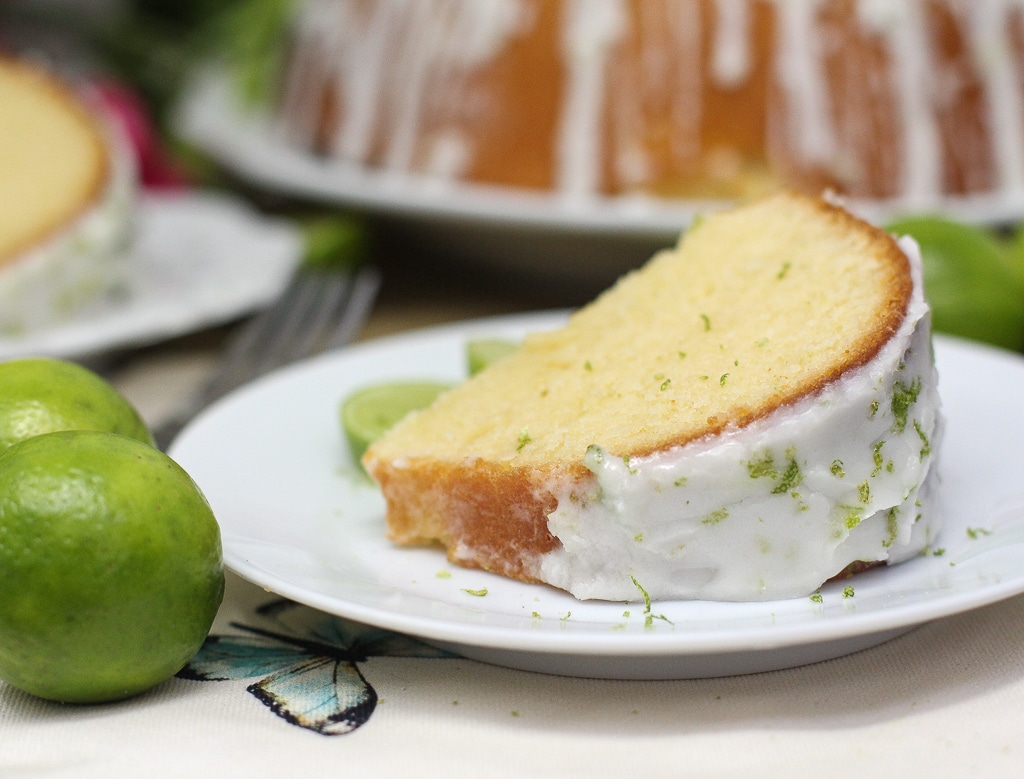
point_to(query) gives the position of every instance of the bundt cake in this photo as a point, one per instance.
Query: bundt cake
(671, 98)
(66, 197)
(743, 418)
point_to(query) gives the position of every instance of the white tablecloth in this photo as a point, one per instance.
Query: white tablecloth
(943, 700)
(947, 699)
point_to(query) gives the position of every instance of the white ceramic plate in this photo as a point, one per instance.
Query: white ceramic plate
(299, 520)
(592, 239)
(197, 259)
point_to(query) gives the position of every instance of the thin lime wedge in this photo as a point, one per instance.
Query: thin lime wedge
(371, 411)
(481, 352)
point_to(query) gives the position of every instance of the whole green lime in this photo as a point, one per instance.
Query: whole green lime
(481, 352)
(110, 566)
(969, 280)
(41, 395)
(1015, 253)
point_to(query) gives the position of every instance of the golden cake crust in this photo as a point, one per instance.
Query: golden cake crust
(895, 280)
(54, 161)
(486, 516)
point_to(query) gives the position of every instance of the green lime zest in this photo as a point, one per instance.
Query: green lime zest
(647, 598)
(523, 439)
(903, 397)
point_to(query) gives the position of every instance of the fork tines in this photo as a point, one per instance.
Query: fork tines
(319, 309)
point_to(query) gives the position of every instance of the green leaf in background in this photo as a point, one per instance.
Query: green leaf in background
(970, 280)
(1015, 253)
(157, 45)
(337, 241)
(249, 36)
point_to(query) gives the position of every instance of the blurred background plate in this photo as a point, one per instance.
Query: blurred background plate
(197, 260)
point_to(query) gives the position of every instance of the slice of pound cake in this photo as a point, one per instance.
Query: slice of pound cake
(67, 188)
(746, 417)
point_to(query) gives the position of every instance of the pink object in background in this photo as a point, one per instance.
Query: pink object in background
(157, 169)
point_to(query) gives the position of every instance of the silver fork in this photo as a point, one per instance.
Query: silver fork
(320, 309)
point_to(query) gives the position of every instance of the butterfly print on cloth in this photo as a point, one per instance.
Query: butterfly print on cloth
(306, 664)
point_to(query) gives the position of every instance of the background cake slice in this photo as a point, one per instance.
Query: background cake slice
(66, 188)
(742, 418)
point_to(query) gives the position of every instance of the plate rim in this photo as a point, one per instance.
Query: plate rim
(103, 326)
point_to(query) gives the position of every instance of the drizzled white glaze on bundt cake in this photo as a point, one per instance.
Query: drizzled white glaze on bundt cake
(692, 98)
(65, 198)
(743, 418)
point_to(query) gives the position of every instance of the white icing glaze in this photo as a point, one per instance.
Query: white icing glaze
(774, 509)
(730, 63)
(670, 69)
(402, 71)
(591, 28)
(687, 86)
(84, 262)
(392, 69)
(908, 45)
(993, 56)
(806, 107)
(879, 15)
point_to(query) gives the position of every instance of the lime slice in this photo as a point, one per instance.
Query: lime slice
(969, 281)
(481, 352)
(370, 412)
